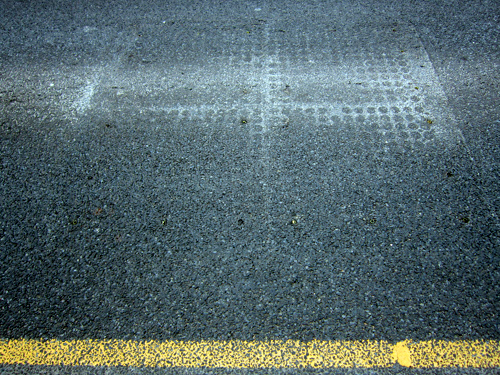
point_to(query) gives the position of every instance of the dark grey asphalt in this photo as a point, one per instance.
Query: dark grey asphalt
(249, 170)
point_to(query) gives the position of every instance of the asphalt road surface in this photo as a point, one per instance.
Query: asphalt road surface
(249, 170)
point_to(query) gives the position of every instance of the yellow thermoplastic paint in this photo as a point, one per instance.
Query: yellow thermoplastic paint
(252, 354)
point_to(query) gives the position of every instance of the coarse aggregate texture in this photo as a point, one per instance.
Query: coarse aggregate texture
(461, 40)
(250, 171)
(60, 370)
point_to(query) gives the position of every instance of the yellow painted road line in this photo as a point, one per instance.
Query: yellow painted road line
(252, 354)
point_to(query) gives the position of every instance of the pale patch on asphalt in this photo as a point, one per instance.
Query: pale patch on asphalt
(85, 95)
